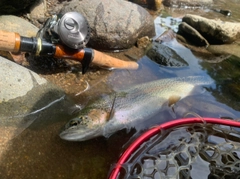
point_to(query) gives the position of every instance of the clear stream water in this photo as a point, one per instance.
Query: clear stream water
(38, 152)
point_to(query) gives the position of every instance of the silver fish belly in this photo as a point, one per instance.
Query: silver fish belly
(122, 109)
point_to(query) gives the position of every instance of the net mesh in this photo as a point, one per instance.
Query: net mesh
(189, 151)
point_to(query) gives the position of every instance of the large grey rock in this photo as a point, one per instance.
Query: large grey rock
(214, 31)
(115, 24)
(24, 96)
(184, 3)
(16, 81)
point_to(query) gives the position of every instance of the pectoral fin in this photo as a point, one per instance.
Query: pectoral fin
(173, 99)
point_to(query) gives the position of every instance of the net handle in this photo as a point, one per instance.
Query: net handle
(153, 131)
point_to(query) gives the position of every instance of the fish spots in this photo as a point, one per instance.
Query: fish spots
(94, 118)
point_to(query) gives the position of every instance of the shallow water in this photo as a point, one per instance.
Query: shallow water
(38, 152)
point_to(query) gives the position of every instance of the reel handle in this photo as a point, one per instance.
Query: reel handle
(96, 57)
(102, 59)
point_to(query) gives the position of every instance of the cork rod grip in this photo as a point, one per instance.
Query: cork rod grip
(108, 61)
(9, 41)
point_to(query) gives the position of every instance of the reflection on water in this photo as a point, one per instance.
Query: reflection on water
(226, 75)
(39, 152)
(232, 5)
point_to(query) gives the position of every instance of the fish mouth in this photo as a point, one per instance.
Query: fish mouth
(80, 134)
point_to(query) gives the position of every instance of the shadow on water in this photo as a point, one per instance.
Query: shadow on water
(38, 152)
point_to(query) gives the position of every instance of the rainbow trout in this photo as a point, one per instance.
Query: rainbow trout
(124, 108)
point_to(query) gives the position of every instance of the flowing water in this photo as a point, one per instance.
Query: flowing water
(38, 152)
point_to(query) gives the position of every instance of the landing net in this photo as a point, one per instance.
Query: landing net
(184, 148)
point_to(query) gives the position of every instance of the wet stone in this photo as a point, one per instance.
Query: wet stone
(214, 31)
(165, 56)
(192, 35)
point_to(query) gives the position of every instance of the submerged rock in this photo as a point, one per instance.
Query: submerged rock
(165, 56)
(227, 49)
(115, 24)
(204, 53)
(166, 36)
(23, 96)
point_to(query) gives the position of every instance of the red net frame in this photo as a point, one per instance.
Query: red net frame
(153, 131)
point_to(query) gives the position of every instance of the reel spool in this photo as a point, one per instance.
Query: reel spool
(70, 29)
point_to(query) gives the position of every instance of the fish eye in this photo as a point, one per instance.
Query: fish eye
(74, 123)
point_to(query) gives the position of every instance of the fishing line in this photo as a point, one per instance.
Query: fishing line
(87, 88)
(38, 110)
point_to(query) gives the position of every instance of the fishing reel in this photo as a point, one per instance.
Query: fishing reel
(62, 37)
(70, 29)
